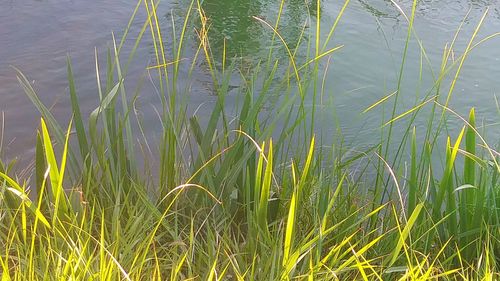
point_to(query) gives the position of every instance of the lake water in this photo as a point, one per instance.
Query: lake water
(36, 36)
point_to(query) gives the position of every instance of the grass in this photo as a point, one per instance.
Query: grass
(253, 194)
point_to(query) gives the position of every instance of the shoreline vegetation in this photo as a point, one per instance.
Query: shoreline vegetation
(255, 195)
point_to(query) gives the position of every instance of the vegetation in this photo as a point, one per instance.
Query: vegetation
(251, 192)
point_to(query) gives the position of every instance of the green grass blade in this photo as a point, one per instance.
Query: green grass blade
(413, 191)
(404, 234)
(266, 191)
(77, 116)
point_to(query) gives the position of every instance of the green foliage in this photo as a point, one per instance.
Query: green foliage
(223, 201)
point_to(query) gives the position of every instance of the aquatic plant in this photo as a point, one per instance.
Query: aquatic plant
(253, 194)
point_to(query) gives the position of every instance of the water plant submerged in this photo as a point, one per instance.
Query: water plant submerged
(250, 193)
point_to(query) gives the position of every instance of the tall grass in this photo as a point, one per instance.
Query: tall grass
(249, 196)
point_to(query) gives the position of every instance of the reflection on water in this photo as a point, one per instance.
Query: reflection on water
(373, 34)
(232, 21)
(378, 12)
(36, 36)
(372, 57)
(437, 9)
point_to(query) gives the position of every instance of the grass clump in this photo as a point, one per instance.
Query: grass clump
(251, 195)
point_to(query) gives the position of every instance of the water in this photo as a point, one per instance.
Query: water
(36, 37)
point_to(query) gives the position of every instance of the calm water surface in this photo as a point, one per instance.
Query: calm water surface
(36, 37)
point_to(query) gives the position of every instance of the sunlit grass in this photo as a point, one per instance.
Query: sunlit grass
(251, 196)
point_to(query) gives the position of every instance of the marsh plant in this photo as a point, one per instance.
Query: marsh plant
(250, 192)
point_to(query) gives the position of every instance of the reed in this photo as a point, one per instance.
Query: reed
(251, 195)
